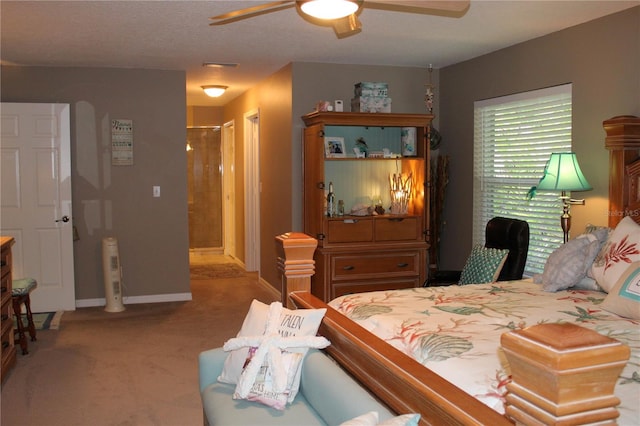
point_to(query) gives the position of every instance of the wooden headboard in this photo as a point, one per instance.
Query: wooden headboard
(623, 143)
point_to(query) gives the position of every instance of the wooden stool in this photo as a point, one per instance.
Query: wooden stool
(20, 292)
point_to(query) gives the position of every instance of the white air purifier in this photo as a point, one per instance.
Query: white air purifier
(112, 275)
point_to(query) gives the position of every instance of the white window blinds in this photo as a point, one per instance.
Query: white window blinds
(513, 139)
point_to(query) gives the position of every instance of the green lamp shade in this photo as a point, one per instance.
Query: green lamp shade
(562, 173)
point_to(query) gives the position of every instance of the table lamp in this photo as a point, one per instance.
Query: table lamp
(562, 173)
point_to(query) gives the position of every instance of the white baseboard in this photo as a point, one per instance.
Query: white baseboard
(131, 300)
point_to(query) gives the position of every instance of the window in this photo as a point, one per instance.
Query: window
(513, 139)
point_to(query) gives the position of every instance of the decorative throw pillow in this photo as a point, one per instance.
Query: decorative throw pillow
(403, 420)
(371, 419)
(366, 419)
(602, 234)
(483, 265)
(588, 284)
(624, 297)
(301, 322)
(272, 369)
(621, 249)
(568, 264)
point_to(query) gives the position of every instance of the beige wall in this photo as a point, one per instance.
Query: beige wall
(602, 60)
(117, 201)
(272, 99)
(204, 116)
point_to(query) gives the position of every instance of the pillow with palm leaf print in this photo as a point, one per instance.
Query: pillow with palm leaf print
(621, 249)
(624, 297)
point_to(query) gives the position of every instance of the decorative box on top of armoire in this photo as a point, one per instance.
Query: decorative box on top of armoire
(373, 250)
(8, 356)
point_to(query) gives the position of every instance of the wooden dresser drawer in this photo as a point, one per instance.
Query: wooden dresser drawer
(5, 262)
(397, 228)
(8, 349)
(375, 265)
(350, 230)
(5, 289)
(6, 312)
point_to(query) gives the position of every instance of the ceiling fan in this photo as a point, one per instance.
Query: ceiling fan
(342, 15)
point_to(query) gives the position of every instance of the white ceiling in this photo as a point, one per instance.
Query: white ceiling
(175, 35)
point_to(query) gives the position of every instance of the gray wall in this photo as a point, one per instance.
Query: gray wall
(117, 201)
(602, 60)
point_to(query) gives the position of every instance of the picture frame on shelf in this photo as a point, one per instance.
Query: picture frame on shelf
(334, 147)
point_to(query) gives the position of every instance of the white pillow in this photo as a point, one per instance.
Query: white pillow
(403, 420)
(366, 419)
(269, 375)
(371, 419)
(624, 298)
(569, 263)
(301, 322)
(621, 249)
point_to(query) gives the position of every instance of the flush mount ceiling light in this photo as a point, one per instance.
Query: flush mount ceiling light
(329, 9)
(220, 64)
(214, 91)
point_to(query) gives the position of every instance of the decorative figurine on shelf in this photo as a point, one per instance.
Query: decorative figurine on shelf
(428, 96)
(331, 201)
(400, 188)
(361, 144)
(434, 138)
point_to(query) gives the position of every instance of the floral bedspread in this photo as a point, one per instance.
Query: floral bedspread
(455, 331)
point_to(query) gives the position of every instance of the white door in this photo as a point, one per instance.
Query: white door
(228, 187)
(252, 190)
(36, 199)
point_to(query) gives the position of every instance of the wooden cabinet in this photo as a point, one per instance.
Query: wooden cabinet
(8, 356)
(359, 253)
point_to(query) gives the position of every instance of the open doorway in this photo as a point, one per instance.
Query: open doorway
(204, 157)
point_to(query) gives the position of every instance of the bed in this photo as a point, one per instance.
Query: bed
(449, 354)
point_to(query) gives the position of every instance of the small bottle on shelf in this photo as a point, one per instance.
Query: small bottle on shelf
(340, 208)
(331, 201)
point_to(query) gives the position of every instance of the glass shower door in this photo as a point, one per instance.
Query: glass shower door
(204, 156)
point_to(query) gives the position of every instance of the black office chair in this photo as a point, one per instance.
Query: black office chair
(501, 233)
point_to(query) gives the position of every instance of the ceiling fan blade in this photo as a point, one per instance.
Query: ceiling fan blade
(453, 8)
(250, 12)
(347, 26)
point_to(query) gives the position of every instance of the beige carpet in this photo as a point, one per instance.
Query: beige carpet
(216, 271)
(137, 367)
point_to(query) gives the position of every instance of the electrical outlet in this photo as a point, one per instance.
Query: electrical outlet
(156, 191)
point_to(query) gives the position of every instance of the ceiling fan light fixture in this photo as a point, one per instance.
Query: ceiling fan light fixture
(329, 9)
(214, 91)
